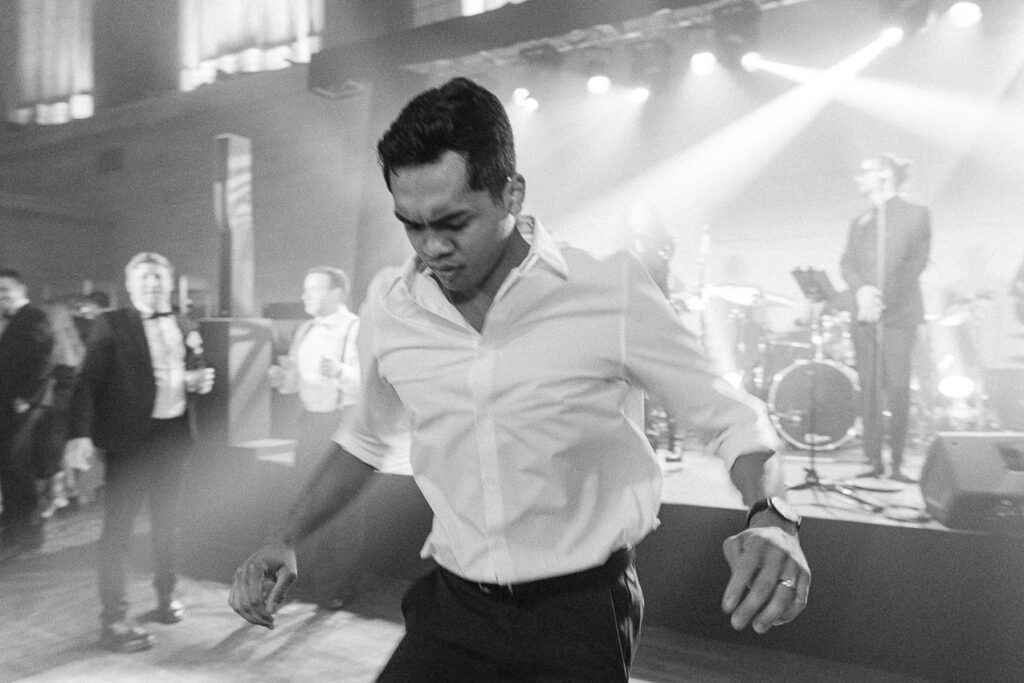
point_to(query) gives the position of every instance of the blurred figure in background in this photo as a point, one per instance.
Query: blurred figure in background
(61, 480)
(133, 400)
(26, 342)
(322, 367)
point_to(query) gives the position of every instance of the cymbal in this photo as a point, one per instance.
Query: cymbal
(747, 295)
(954, 319)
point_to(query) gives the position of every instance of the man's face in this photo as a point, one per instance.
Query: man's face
(150, 285)
(873, 177)
(12, 294)
(457, 232)
(318, 296)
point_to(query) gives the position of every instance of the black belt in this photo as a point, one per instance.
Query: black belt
(601, 575)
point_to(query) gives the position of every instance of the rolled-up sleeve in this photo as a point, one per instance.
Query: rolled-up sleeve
(664, 357)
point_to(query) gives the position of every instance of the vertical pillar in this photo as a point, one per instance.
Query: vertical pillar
(233, 207)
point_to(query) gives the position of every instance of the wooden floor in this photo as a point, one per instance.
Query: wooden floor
(49, 606)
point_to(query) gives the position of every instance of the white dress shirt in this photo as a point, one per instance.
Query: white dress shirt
(333, 337)
(167, 352)
(522, 442)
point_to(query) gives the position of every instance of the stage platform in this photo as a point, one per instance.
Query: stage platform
(891, 600)
(891, 586)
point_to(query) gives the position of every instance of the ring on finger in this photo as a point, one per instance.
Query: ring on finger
(788, 583)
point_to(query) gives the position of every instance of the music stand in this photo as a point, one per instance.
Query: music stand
(817, 287)
(815, 284)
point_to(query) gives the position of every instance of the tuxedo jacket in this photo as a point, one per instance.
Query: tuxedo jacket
(113, 402)
(908, 229)
(25, 349)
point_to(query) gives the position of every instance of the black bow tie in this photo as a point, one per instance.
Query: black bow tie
(163, 314)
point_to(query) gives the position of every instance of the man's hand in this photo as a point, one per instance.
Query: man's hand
(770, 578)
(275, 374)
(261, 582)
(78, 452)
(199, 381)
(330, 368)
(869, 304)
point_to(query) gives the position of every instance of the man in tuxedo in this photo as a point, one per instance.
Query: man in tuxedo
(26, 341)
(887, 248)
(133, 401)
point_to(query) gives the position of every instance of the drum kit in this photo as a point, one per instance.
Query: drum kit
(806, 377)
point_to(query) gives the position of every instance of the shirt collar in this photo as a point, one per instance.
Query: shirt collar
(333, 318)
(144, 311)
(13, 311)
(543, 249)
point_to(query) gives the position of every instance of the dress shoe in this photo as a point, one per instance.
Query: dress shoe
(170, 611)
(124, 636)
(899, 476)
(873, 473)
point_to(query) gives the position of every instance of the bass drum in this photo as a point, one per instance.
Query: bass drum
(813, 404)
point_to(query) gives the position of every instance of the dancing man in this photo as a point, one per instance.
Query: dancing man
(511, 358)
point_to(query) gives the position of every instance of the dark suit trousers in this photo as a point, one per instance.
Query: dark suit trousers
(18, 468)
(457, 632)
(154, 471)
(892, 392)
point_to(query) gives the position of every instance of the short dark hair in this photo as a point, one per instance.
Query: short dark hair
(460, 116)
(12, 274)
(337, 276)
(900, 167)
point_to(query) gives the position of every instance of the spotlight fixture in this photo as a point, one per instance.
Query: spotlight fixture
(737, 31)
(651, 65)
(702, 60)
(964, 14)
(535, 70)
(640, 94)
(596, 66)
(703, 63)
(909, 15)
(542, 56)
(521, 97)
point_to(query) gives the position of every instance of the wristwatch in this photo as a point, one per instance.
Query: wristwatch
(777, 505)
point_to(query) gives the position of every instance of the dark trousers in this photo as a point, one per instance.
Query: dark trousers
(152, 472)
(18, 470)
(457, 632)
(884, 386)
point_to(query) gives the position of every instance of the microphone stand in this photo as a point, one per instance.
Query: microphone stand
(876, 358)
(819, 291)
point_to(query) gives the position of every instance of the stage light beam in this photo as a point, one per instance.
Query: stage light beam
(720, 166)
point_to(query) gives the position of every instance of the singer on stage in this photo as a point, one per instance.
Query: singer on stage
(888, 305)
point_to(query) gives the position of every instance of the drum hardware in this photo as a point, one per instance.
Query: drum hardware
(747, 295)
(797, 412)
(813, 404)
(962, 311)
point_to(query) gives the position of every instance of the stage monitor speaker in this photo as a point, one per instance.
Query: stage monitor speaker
(975, 480)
